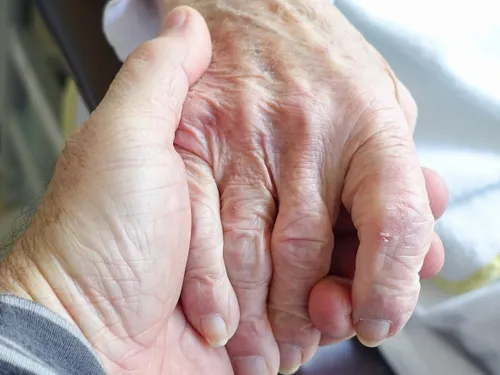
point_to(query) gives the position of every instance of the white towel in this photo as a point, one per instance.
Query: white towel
(447, 53)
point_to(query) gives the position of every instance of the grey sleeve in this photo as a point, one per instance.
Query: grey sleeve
(36, 341)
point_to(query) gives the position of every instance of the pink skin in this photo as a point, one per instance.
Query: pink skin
(108, 247)
(275, 143)
(330, 306)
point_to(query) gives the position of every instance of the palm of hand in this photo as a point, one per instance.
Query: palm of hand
(187, 353)
(133, 319)
(123, 205)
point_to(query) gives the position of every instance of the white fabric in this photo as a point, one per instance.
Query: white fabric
(128, 23)
(469, 227)
(462, 36)
(446, 53)
(449, 335)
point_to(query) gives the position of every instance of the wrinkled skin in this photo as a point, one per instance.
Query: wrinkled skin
(297, 118)
(108, 247)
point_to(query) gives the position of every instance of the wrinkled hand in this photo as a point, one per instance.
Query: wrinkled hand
(330, 305)
(296, 118)
(109, 245)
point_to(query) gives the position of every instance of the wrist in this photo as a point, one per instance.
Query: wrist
(30, 272)
(14, 271)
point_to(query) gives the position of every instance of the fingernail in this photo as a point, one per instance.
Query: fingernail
(250, 366)
(291, 358)
(176, 18)
(214, 330)
(372, 332)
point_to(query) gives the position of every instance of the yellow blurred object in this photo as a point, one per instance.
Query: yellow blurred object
(478, 279)
(69, 108)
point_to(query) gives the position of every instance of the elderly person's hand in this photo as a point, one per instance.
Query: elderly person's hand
(297, 118)
(330, 305)
(108, 247)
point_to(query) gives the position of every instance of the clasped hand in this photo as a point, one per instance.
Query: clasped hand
(280, 198)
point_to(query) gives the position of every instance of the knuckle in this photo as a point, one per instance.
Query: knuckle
(303, 244)
(252, 325)
(374, 108)
(281, 315)
(246, 256)
(306, 174)
(384, 119)
(247, 218)
(400, 252)
(378, 127)
(410, 216)
(396, 265)
(299, 95)
(412, 204)
(307, 107)
(403, 238)
(393, 300)
(258, 284)
(205, 276)
(244, 208)
(206, 233)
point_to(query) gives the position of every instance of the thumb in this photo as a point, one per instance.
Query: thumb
(386, 195)
(154, 80)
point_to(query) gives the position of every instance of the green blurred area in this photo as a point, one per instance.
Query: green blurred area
(37, 109)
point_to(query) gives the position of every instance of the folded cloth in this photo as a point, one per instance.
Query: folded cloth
(453, 74)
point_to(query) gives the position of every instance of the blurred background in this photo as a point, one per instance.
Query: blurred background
(39, 107)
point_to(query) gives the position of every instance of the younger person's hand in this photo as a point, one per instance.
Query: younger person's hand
(108, 247)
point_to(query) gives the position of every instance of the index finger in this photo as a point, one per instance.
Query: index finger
(385, 192)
